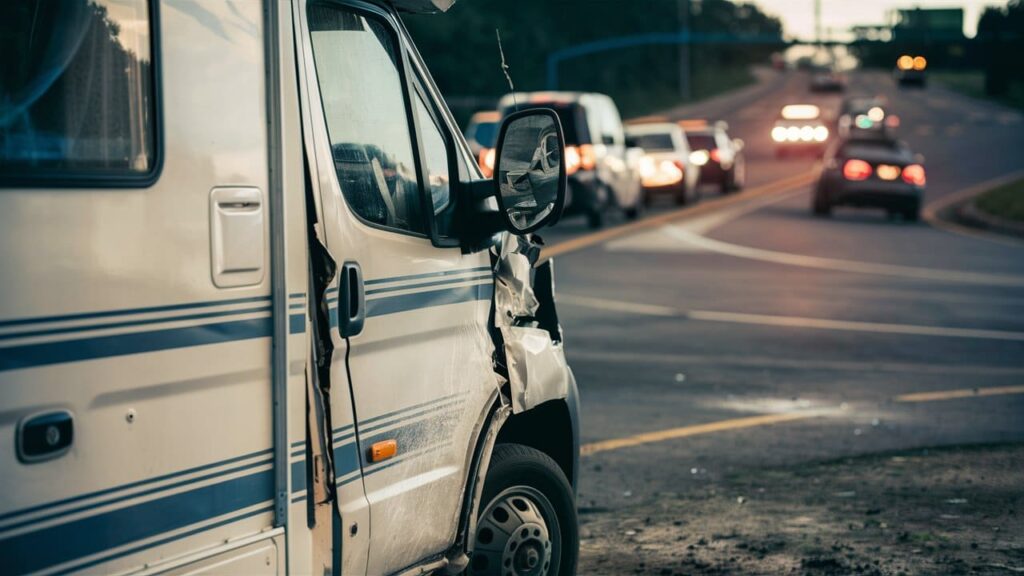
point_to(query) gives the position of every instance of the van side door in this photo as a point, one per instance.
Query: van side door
(420, 365)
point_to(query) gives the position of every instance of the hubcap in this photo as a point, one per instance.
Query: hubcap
(517, 535)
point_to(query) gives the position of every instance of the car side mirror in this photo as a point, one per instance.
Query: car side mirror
(529, 170)
(737, 144)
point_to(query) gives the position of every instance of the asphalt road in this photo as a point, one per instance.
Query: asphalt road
(818, 327)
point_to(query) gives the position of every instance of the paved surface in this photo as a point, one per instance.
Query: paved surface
(817, 327)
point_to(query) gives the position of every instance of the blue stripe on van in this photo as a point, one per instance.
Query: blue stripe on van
(128, 311)
(428, 284)
(46, 353)
(406, 302)
(426, 275)
(54, 545)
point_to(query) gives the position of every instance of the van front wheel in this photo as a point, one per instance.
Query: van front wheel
(527, 522)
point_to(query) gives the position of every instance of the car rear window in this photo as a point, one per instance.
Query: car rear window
(77, 98)
(571, 115)
(652, 141)
(701, 141)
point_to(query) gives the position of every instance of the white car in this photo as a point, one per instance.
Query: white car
(261, 313)
(667, 167)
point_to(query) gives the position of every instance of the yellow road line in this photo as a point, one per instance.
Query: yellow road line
(769, 419)
(962, 393)
(696, 430)
(594, 238)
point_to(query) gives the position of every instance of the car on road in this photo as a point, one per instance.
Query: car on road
(666, 167)
(910, 71)
(261, 313)
(481, 132)
(871, 172)
(603, 173)
(827, 79)
(864, 117)
(719, 157)
(799, 129)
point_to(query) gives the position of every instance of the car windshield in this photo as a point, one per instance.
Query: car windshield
(655, 142)
(701, 141)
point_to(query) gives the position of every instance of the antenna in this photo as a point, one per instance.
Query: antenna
(505, 70)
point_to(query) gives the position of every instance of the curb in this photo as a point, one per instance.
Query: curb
(971, 215)
(943, 213)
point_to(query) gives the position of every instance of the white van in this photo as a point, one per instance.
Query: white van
(260, 313)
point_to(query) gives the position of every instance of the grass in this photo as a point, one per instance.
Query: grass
(1005, 202)
(973, 84)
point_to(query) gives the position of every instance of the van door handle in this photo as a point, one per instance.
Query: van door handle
(351, 300)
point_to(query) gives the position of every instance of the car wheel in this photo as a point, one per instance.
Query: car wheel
(912, 214)
(595, 217)
(680, 197)
(634, 212)
(821, 205)
(527, 522)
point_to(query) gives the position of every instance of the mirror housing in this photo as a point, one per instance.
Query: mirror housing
(529, 170)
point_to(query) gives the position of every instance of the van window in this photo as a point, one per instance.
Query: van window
(362, 91)
(436, 160)
(76, 91)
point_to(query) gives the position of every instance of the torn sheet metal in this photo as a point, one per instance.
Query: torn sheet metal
(524, 316)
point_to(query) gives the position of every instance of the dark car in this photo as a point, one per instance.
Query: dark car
(826, 79)
(719, 157)
(910, 71)
(874, 172)
(864, 117)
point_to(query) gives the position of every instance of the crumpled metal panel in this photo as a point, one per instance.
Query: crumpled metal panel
(423, 6)
(534, 357)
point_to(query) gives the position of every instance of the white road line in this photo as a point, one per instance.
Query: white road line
(790, 321)
(934, 274)
(763, 362)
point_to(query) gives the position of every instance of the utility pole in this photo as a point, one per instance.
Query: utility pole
(684, 49)
(817, 22)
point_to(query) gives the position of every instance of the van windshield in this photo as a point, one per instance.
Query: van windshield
(76, 90)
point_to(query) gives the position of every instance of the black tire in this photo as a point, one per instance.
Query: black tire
(595, 217)
(726, 185)
(821, 205)
(522, 485)
(912, 214)
(679, 197)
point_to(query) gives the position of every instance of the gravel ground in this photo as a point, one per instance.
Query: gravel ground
(940, 511)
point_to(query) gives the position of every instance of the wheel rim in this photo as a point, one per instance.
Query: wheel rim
(517, 535)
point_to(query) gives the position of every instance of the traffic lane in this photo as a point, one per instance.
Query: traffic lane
(682, 283)
(865, 235)
(618, 479)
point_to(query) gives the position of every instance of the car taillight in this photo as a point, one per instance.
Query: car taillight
(914, 174)
(716, 155)
(856, 170)
(588, 159)
(486, 162)
(572, 160)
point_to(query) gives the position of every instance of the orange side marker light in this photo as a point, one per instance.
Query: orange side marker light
(383, 450)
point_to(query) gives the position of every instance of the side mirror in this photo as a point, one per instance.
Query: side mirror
(737, 144)
(529, 170)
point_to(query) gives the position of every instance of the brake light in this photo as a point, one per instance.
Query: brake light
(914, 174)
(856, 170)
(486, 162)
(579, 158)
(716, 155)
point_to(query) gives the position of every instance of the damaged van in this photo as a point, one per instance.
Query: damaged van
(261, 313)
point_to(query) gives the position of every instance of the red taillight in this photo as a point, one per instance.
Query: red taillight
(856, 170)
(914, 174)
(486, 161)
(716, 155)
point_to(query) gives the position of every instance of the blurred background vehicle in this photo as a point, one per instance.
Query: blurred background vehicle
(666, 168)
(864, 117)
(481, 132)
(871, 172)
(602, 175)
(827, 79)
(799, 129)
(910, 71)
(719, 157)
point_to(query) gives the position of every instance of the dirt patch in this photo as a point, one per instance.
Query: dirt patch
(946, 511)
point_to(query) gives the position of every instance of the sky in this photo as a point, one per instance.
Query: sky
(798, 15)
